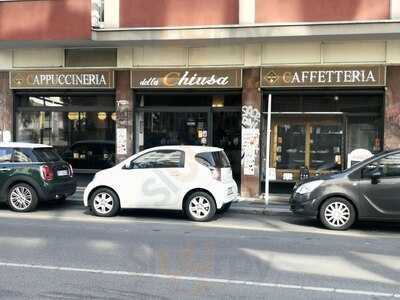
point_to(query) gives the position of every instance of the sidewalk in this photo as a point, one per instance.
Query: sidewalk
(278, 204)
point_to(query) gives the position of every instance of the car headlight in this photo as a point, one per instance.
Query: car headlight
(308, 187)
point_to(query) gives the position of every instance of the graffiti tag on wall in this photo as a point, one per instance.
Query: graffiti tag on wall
(250, 138)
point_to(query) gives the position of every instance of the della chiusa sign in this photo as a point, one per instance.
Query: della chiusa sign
(62, 79)
(323, 76)
(186, 78)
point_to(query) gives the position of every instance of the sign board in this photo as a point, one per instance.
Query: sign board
(186, 78)
(323, 76)
(62, 79)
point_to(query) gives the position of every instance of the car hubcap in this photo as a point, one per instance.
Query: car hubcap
(103, 203)
(199, 207)
(21, 197)
(337, 214)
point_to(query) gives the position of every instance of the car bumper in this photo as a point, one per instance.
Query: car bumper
(303, 205)
(226, 193)
(59, 190)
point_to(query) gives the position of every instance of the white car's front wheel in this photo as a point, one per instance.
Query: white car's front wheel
(200, 207)
(104, 203)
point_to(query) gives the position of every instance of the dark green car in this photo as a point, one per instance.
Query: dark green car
(30, 173)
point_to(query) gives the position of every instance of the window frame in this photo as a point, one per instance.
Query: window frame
(378, 166)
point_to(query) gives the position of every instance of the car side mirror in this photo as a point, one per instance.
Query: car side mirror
(128, 165)
(376, 175)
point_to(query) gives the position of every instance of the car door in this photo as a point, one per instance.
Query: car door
(152, 179)
(380, 186)
(6, 167)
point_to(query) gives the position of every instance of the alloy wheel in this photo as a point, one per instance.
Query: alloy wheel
(199, 207)
(337, 214)
(103, 203)
(21, 197)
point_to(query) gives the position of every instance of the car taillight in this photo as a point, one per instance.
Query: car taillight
(71, 171)
(47, 173)
(215, 173)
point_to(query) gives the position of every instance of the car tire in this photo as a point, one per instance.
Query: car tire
(22, 198)
(200, 207)
(337, 214)
(104, 202)
(225, 207)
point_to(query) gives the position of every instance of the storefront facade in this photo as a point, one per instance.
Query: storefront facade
(98, 116)
(320, 116)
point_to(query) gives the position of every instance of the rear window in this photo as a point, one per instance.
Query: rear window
(46, 155)
(216, 159)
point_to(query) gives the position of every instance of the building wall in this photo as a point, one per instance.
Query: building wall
(45, 20)
(160, 13)
(269, 11)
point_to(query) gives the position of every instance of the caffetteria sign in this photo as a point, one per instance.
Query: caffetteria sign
(61, 79)
(323, 76)
(186, 78)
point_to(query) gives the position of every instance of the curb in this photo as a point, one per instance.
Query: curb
(257, 209)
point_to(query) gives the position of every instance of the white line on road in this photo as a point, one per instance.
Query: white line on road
(203, 279)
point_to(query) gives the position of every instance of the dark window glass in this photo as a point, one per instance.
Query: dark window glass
(390, 165)
(46, 155)
(159, 159)
(290, 149)
(21, 156)
(216, 159)
(105, 101)
(5, 155)
(213, 100)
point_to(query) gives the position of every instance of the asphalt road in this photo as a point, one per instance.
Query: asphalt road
(62, 252)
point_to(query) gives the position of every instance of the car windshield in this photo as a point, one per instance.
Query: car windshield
(216, 159)
(46, 155)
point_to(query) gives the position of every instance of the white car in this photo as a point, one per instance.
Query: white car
(195, 179)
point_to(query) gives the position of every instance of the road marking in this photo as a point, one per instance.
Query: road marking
(202, 279)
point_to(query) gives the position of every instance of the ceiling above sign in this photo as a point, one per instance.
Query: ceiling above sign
(186, 78)
(62, 79)
(323, 76)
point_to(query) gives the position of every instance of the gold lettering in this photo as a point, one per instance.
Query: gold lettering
(171, 79)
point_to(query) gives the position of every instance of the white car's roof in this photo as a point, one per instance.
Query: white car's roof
(23, 145)
(195, 149)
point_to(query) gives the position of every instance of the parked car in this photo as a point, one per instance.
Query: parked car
(90, 154)
(369, 190)
(30, 173)
(195, 179)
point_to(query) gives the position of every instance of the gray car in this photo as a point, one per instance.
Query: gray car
(369, 190)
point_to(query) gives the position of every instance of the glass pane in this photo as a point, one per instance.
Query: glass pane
(326, 147)
(390, 165)
(84, 139)
(160, 159)
(227, 135)
(5, 155)
(214, 100)
(364, 133)
(170, 128)
(290, 150)
(107, 102)
(21, 157)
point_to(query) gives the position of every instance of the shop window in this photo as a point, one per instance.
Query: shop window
(81, 128)
(105, 57)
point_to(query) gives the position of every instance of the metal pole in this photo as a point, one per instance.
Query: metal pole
(267, 152)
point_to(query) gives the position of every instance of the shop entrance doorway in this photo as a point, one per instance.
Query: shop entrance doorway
(206, 119)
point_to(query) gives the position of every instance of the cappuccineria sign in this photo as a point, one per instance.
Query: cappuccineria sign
(62, 79)
(323, 76)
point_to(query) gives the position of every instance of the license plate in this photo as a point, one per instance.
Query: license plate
(62, 173)
(230, 190)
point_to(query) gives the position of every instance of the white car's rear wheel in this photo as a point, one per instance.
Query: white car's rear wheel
(200, 206)
(104, 203)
